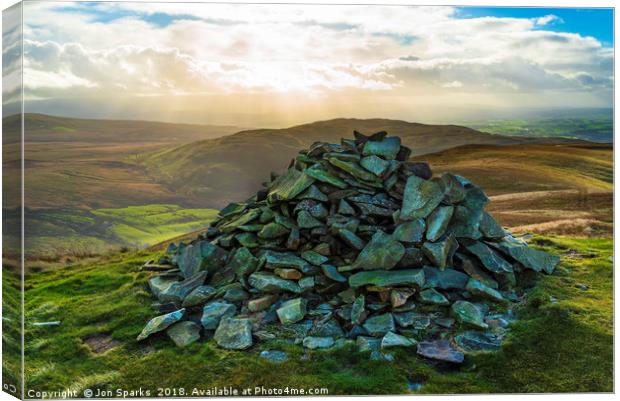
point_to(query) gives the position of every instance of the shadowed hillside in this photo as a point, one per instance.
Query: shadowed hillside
(232, 167)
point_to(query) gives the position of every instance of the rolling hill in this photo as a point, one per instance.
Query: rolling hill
(537, 184)
(233, 167)
(559, 189)
(46, 128)
(91, 163)
(59, 234)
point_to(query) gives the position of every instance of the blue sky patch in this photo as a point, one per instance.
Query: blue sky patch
(99, 14)
(595, 22)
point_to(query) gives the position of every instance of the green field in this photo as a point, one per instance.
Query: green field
(54, 234)
(595, 128)
(554, 346)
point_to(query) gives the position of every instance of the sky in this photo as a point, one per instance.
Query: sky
(278, 65)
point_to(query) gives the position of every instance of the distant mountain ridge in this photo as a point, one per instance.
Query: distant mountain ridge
(232, 167)
(47, 128)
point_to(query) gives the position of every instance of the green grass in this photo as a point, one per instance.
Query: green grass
(151, 224)
(553, 347)
(568, 345)
(11, 327)
(60, 128)
(52, 233)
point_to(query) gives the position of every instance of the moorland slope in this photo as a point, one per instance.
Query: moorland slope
(233, 167)
(560, 189)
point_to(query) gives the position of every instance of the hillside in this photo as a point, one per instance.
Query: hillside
(63, 234)
(565, 189)
(233, 167)
(82, 163)
(561, 189)
(46, 128)
(540, 186)
(91, 163)
(536, 187)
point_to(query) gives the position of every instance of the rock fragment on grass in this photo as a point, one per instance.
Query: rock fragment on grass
(440, 350)
(184, 333)
(160, 323)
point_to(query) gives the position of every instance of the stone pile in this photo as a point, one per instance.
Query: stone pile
(353, 243)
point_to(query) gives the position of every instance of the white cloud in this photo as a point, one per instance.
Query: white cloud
(319, 50)
(547, 19)
(453, 84)
(35, 79)
(156, 70)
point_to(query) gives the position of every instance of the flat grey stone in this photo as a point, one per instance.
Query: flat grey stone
(160, 323)
(440, 350)
(318, 342)
(214, 311)
(234, 333)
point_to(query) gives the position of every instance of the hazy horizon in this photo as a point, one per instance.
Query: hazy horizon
(595, 113)
(287, 64)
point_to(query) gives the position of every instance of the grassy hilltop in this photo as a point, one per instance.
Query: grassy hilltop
(130, 192)
(562, 342)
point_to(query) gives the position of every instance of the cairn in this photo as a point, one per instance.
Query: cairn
(353, 243)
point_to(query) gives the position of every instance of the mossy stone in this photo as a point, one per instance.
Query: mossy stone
(469, 314)
(292, 311)
(383, 252)
(234, 333)
(160, 323)
(380, 324)
(184, 333)
(420, 198)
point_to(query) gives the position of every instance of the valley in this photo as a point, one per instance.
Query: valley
(592, 126)
(77, 168)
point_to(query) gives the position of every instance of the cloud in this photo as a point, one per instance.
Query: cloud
(547, 19)
(453, 84)
(381, 52)
(164, 71)
(11, 57)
